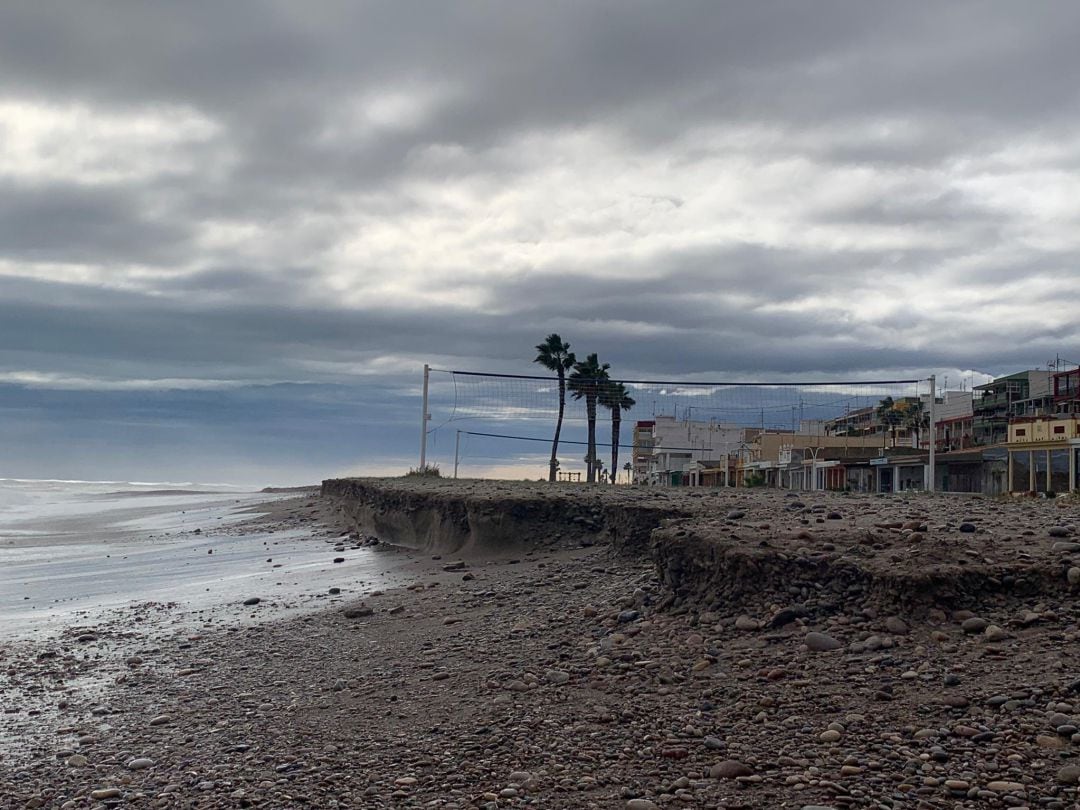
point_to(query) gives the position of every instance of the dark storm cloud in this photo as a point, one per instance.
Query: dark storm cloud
(115, 335)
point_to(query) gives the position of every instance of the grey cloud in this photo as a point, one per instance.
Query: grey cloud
(275, 71)
(920, 92)
(946, 209)
(66, 223)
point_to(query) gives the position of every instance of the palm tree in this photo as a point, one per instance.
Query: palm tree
(585, 382)
(915, 419)
(889, 416)
(616, 399)
(629, 468)
(554, 354)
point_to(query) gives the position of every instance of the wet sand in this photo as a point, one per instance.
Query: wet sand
(197, 551)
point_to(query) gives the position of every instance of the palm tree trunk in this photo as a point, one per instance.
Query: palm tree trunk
(590, 409)
(616, 423)
(558, 428)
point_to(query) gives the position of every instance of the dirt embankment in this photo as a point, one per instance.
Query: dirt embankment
(476, 516)
(734, 550)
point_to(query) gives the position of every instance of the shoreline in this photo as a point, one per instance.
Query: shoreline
(565, 676)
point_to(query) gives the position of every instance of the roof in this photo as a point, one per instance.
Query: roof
(851, 453)
(960, 457)
(1019, 375)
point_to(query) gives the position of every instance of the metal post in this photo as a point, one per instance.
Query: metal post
(424, 417)
(933, 433)
(457, 449)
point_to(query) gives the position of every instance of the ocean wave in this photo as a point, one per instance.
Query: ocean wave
(75, 481)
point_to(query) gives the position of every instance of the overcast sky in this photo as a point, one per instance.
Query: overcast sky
(202, 202)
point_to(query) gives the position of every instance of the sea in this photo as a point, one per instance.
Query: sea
(73, 552)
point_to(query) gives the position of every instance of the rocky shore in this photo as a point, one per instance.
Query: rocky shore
(748, 651)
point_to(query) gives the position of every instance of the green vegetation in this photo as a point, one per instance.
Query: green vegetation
(907, 414)
(891, 416)
(755, 480)
(427, 471)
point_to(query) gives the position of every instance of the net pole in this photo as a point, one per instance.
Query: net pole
(933, 433)
(424, 417)
(457, 451)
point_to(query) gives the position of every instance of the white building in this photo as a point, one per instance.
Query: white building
(680, 446)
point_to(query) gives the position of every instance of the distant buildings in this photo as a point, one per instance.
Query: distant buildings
(954, 422)
(670, 452)
(1020, 394)
(1018, 434)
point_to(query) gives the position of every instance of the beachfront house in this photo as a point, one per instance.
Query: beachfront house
(1024, 393)
(1043, 454)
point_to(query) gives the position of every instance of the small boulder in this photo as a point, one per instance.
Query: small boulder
(896, 626)
(820, 642)
(730, 769)
(747, 624)
(976, 624)
(1069, 775)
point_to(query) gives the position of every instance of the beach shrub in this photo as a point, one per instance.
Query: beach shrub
(427, 471)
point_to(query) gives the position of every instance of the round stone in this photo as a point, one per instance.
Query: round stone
(1069, 775)
(729, 769)
(819, 642)
(976, 624)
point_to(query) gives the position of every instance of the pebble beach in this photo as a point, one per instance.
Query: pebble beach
(568, 676)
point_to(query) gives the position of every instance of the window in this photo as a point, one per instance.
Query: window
(1059, 428)
(1021, 431)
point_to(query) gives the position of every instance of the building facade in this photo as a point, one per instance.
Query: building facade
(1025, 393)
(1044, 454)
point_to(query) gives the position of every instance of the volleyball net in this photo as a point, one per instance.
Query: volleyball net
(488, 421)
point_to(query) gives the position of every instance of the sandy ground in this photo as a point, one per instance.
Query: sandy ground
(555, 679)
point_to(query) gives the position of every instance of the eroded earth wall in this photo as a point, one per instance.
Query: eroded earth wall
(734, 550)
